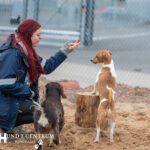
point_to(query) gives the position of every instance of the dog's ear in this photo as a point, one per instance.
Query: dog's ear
(109, 52)
(62, 92)
(104, 58)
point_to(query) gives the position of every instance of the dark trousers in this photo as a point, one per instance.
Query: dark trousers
(25, 114)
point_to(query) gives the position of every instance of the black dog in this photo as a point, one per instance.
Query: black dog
(50, 115)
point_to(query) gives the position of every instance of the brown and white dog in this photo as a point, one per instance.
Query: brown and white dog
(105, 85)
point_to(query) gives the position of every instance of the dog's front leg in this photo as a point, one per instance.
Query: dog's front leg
(56, 135)
(96, 84)
(95, 88)
(51, 139)
(112, 127)
(98, 130)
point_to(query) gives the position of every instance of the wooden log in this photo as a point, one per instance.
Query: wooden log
(86, 109)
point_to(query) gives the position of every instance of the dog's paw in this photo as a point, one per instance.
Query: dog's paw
(93, 93)
(51, 140)
(111, 142)
(56, 141)
(96, 141)
(36, 146)
(50, 143)
(60, 142)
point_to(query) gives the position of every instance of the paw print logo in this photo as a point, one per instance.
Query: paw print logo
(40, 142)
(36, 146)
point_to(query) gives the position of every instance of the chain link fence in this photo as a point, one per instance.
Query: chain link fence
(123, 26)
(119, 25)
(77, 15)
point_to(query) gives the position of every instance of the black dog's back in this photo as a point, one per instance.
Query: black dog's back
(54, 112)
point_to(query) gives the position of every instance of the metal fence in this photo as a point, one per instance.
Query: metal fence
(75, 17)
(118, 25)
(60, 18)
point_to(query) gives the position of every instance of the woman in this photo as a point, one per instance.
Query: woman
(20, 68)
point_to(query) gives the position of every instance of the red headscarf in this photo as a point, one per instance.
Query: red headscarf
(22, 39)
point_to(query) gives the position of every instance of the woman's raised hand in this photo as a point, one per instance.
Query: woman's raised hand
(74, 44)
(69, 47)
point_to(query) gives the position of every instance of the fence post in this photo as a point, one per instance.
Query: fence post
(36, 9)
(33, 9)
(87, 22)
(25, 9)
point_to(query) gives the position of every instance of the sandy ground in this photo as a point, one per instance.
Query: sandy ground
(132, 125)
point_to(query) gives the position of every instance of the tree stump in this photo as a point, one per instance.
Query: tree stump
(86, 109)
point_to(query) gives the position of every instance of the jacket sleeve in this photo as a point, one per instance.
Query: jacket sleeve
(10, 62)
(53, 62)
(16, 89)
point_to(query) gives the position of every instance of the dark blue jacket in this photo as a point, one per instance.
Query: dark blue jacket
(13, 87)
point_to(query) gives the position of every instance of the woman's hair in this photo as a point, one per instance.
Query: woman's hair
(21, 39)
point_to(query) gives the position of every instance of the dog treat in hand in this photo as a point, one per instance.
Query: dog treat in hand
(69, 47)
